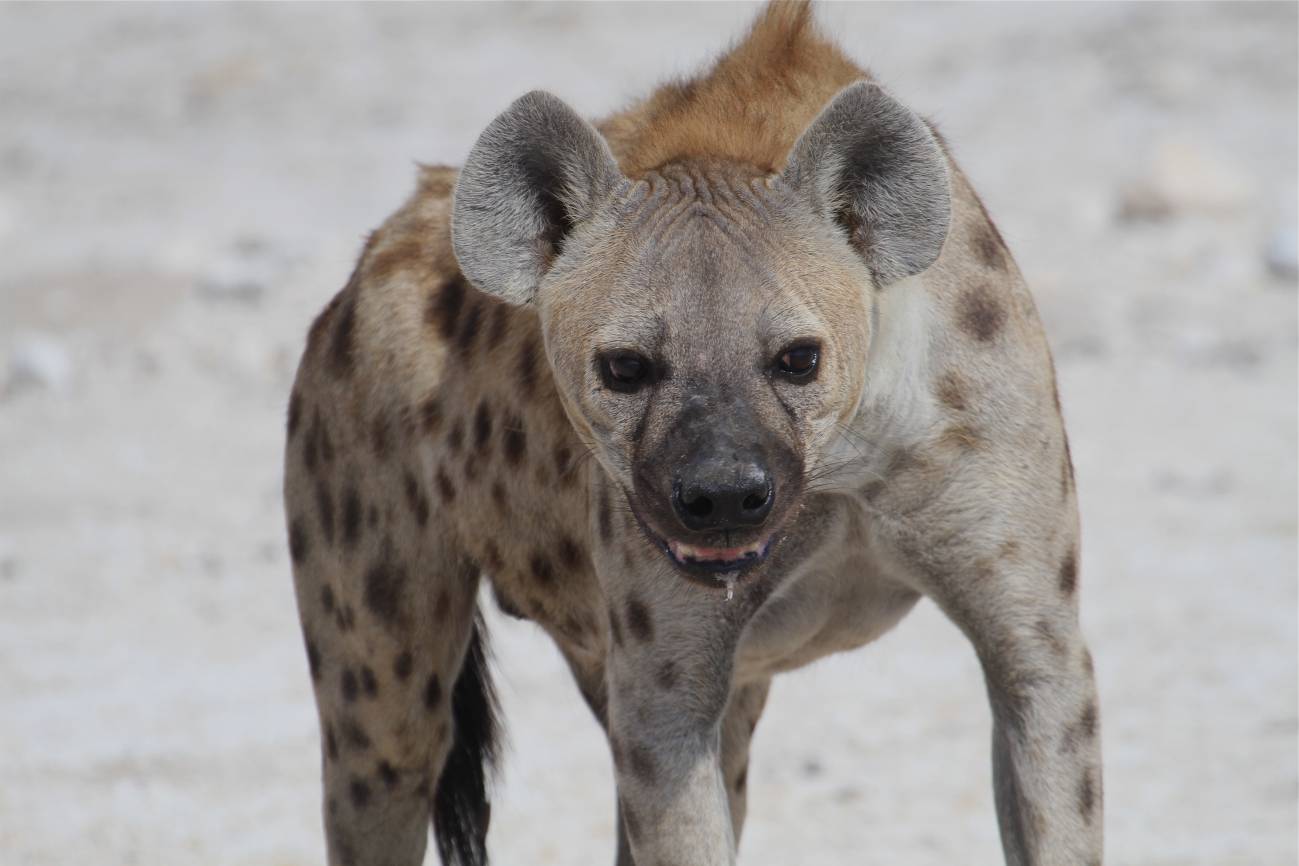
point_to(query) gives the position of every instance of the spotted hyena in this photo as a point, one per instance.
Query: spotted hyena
(708, 390)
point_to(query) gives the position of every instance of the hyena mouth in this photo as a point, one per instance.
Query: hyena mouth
(719, 559)
(714, 567)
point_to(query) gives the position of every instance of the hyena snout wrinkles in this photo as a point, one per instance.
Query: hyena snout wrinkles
(707, 391)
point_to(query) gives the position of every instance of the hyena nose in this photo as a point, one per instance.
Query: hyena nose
(717, 495)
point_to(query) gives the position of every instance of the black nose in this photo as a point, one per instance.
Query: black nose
(716, 495)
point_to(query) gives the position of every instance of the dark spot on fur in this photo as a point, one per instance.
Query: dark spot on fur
(355, 736)
(482, 426)
(360, 792)
(986, 245)
(446, 489)
(960, 437)
(499, 326)
(415, 498)
(341, 347)
(405, 254)
(872, 490)
(902, 460)
(352, 511)
(571, 554)
(1087, 795)
(325, 507)
(385, 584)
(431, 415)
(445, 306)
(516, 440)
(313, 660)
(1069, 572)
(641, 762)
(295, 412)
(639, 622)
(542, 570)
(442, 607)
(468, 333)
(327, 598)
(345, 618)
(369, 682)
(422, 510)
(331, 742)
(403, 665)
(349, 684)
(298, 543)
(527, 368)
(456, 436)
(500, 498)
(742, 779)
(1087, 722)
(387, 775)
(432, 693)
(951, 392)
(981, 314)
(667, 675)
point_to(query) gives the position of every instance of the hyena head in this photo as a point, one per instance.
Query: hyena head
(708, 324)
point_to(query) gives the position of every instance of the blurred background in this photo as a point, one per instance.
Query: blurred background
(182, 187)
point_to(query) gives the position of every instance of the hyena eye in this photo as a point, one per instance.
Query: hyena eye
(625, 371)
(799, 361)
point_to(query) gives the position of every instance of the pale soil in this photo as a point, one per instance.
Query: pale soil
(182, 187)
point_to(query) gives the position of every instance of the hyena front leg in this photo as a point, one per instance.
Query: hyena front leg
(738, 724)
(1019, 610)
(669, 677)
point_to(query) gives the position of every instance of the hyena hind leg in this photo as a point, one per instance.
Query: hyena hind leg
(404, 698)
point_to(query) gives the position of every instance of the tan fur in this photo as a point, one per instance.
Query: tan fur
(749, 108)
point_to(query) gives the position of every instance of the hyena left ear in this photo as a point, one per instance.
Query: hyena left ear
(535, 173)
(873, 167)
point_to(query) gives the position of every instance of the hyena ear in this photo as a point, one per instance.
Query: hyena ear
(874, 168)
(535, 173)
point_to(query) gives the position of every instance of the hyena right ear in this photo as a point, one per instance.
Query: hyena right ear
(537, 171)
(872, 167)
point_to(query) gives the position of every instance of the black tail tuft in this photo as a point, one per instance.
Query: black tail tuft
(461, 811)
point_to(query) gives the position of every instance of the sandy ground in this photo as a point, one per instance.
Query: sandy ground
(182, 187)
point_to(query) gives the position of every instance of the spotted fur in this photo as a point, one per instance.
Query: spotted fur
(444, 429)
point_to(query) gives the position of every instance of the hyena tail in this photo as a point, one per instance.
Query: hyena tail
(461, 810)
